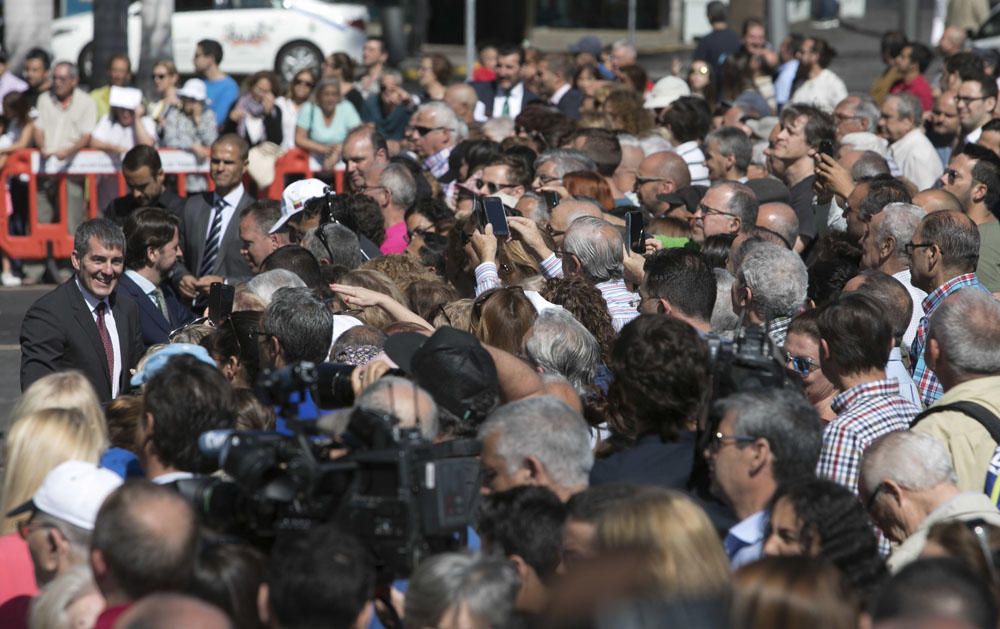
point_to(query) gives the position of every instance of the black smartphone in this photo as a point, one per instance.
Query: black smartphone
(497, 216)
(634, 229)
(551, 198)
(478, 212)
(220, 301)
(826, 147)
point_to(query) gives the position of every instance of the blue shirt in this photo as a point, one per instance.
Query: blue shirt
(745, 541)
(783, 84)
(222, 93)
(345, 118)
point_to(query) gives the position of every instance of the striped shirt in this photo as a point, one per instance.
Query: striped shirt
(438, 162)
(695, 159)
(623, 304)
(927, 383)
(864, 412)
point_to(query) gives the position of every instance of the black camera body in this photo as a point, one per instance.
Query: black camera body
(747, 363)
(404, 497)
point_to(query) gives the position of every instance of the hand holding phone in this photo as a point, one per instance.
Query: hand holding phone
(635, 232)
(496, 215)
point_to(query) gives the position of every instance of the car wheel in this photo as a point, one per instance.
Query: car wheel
(296, 56)
(85, 63)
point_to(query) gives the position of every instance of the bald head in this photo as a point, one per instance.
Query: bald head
(937, 200)
(781, 219)
(668, 165)
(952, 41)
(461, 97)
(165, 611)
(569, 210)
(404, 400)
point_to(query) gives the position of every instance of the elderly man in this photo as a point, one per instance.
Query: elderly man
(434, 131)
(552, 165)
(855, 340)
(764, 439)
(659, 174)
(728, 207)
(461, 97)
(781, 219)
(884, 249)
(770, 288)
(855, 114)
(395, 193)
(404, 401)
(727, 154)
(536, 441)
(900, 123)
(366, 155)
(962, 349)
(867, 199)
(943, 256)
(908, 485)
(559, 344)
(973, 176)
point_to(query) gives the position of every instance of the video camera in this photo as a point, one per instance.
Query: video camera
(404, 497)
(747, 363)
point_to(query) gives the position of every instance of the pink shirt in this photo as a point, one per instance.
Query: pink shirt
(17, 581)
(395, 239)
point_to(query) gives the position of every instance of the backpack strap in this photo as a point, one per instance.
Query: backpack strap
(978, 412)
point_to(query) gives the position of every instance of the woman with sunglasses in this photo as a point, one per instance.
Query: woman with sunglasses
(701, 82)
(802, 357)
(299, 91)
(165, 80)
(324, 122)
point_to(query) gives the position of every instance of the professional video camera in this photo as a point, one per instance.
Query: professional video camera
(402, 496)
(746, 363)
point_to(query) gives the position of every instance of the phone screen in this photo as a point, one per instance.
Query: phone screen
(636, 236)
(220, 301)
(551, 198)
(497, 216)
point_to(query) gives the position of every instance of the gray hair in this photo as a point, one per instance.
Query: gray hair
(71, 69)
(733, 141)
(869, 165)
(542, 213)
(913, 460)
(444, 116)
(777, 277)
(623, 44)
(105, 231)
(566, 160)
(742, 202)
(404, 400)
(48, 609)
(899, 220)
(866, 141)
(78, 537)
(558, 343)
(967, 326)
(265, 284)
(599, 247)
(393, 73)
(397, 179)
(788, 422)
(868, 111)
(547, 429)
(907, 107)
(344, 247)
(759, 157)
(302, 324)
(724, 318)
(498, 128)
(484, 586)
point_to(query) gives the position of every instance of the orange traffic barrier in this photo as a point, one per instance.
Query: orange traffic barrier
(295, 161)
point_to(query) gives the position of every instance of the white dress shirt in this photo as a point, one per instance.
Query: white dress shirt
(232, 201)
(917, 158)
(514, 98)
(109, 323)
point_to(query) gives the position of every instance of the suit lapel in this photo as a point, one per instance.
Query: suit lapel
(200, 229)
(146, 307)
(85, 319)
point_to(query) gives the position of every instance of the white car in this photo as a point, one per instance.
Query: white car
(283, 35)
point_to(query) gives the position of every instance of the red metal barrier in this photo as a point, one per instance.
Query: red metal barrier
(295, 161)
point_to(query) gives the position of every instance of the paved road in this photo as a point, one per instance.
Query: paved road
(14, 302)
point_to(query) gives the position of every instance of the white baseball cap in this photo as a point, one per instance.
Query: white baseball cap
(665, 92)
(293, 199)
(72, 492)
(194, 89)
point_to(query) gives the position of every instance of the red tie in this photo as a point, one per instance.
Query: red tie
(102, 329)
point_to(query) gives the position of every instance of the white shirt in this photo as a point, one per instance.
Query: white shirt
(145, 285)
(917, 158)
(823, 92)
(695, 159)
(514, 100)
(896, 370)
(169, 477)
(109, 323)
(108, 130)
(918, 297)
(232, 200)
(559, 93)
(974, 135)
(750, 533)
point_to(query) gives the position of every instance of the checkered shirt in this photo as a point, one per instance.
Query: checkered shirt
(623, 304)
(438, 163)
(864, 413)
(927, 383)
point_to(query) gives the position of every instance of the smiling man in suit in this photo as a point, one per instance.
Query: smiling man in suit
(82, 324)
(507, 95)
(211, 226)
(152, 248)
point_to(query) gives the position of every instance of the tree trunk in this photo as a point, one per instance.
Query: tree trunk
(110, 37)
(27, 23)
(157, 39)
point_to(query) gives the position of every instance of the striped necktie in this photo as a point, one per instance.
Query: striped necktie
(212, 241)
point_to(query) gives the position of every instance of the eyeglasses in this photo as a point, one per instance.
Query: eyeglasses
(978, 528)
(641, 181)
(422, 131)
(492, 186)
(718, 440)
(157, 77)
(951, 174)
(546, 179)
(872, 498)
(199, 321)
(968, 99)
(909, 247)
(802, 365)
(699, 70)
(305, 82)
(553, 232)
(708, 211)
(420, 231)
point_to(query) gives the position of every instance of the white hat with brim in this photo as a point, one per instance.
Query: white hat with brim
(293, 199)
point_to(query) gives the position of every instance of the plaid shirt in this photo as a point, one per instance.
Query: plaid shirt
(777, 329)
(927, 383)
(438, 162)
(864, 412)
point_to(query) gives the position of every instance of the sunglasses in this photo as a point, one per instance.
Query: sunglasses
(157, 77)
(309, 84)
(492, 186)
(422, 131)
(802, 365)
(951, 174)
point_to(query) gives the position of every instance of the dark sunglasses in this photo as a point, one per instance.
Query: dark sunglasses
(304, 82)
(492, 186)
(802, 365)
(157, 77)
(422, 131)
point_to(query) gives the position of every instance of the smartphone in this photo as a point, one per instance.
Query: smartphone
(551, 198)
(826, 147)
(220, 301)
(478, 212)
(634, 229)
(497, 216)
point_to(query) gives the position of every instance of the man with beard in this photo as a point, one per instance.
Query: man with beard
(506, 96)
(973, 176)
(943, 127)
(144, 177)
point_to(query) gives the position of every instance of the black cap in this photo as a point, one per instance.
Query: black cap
(769, 190)
(688, 196)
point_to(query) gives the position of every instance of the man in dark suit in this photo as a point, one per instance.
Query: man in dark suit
(152, 248)
(144, 176)
(210, 225)
(82, 324)
(507, 95)
(556, 77)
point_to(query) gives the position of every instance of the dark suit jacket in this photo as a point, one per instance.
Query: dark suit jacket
(486, 92)
(119, 209)
(59, 333)
(570, 103)
(194, 225)
(155, 328)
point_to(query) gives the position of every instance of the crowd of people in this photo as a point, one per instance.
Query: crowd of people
(775, 405)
